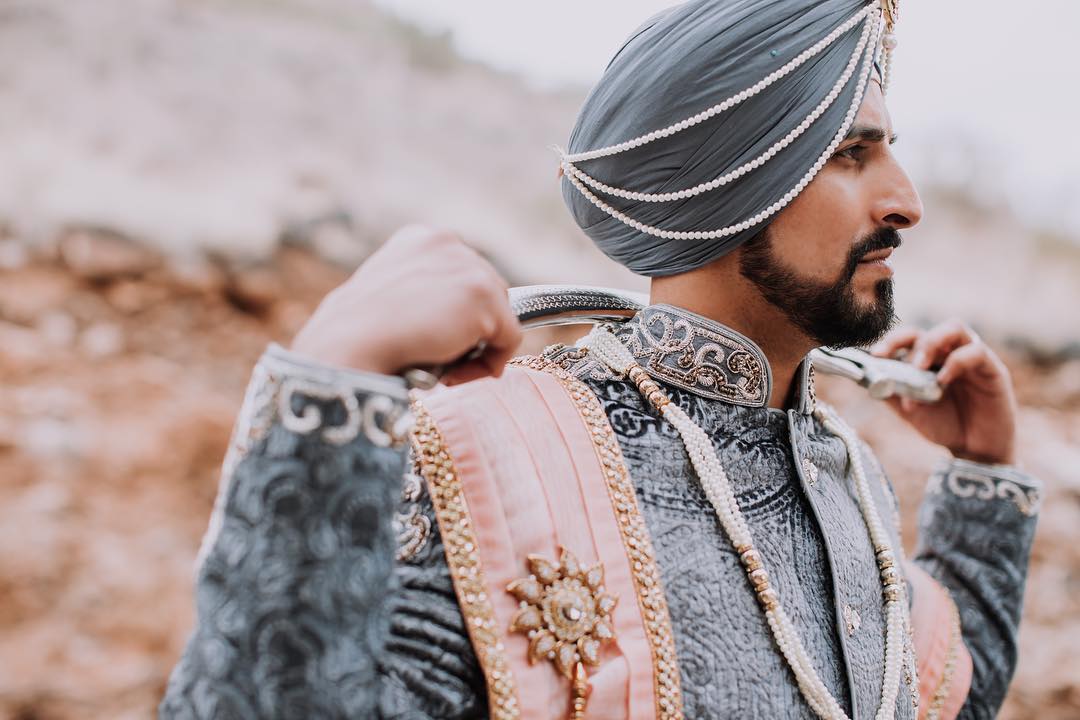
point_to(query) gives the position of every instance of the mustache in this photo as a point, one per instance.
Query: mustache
(881, 239)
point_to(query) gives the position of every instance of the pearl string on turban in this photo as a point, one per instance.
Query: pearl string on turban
(712, 118)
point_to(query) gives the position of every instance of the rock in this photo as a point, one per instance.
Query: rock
(8, 440)
(333, 237)
(13, 255)
(254, 289)
(22, 348)
(58, 329)
(288, 317)
(29, 293)
(132, 296)
(340, 245)
(199, 273)
(101, 254)
(50, 437)
(102, 340)
(1064, 384)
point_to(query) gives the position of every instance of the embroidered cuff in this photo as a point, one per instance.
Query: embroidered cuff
(293, 365)
(315, 402)
(986, 483)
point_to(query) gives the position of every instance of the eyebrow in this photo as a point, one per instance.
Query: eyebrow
(869, 133)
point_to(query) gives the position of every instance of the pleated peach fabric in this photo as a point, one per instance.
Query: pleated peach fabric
(532, 482)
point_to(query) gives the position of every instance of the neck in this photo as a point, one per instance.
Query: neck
(719, 292)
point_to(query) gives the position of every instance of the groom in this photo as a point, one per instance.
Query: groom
(662, 521)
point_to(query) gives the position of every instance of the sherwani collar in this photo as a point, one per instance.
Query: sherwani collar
(707, 358)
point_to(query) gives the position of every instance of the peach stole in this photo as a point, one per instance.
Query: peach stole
(532, 483)
(932, 620)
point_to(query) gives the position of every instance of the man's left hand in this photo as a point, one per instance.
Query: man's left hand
(976, 416)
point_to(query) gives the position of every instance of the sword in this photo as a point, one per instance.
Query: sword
(551, 305)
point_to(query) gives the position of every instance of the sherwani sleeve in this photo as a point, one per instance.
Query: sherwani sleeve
(976, 526)
(322, 590)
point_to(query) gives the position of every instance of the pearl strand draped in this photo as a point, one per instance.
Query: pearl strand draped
(750, 165)
(608, 350)
(896, 605)
(888, 45)
(729, 103)
(875, 21)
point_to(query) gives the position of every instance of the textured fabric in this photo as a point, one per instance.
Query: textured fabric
(678, 64)
(517, 477)
(302, 611)
(729, 663)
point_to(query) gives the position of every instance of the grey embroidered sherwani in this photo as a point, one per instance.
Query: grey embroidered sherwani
(324, 590)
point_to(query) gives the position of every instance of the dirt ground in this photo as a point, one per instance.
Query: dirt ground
(120, 381)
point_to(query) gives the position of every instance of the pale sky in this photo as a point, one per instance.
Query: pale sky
(1003, 76)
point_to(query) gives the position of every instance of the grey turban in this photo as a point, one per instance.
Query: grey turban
(681, 62)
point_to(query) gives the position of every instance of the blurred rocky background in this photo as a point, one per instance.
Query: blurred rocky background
(182, 180)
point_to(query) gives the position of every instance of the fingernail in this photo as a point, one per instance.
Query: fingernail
(918, 359)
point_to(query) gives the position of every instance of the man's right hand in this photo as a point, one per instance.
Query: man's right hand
(424, 298)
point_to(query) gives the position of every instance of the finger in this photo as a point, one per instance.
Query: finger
(972, 360)
(496, 361)
(496, 279)
(894, 403)
(904, 406)
(933, 346)
(503, 331)
(503, 342)
(895, 341)
(415, 233)
(466, 372)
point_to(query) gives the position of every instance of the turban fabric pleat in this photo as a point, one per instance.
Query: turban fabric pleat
(681, 62)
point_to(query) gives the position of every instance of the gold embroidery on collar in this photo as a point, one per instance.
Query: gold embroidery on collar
(695, 354)
(463, 558)
(635, 536)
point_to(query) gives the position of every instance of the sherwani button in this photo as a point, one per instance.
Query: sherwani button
(851, 619)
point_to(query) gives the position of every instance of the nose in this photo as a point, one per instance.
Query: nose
(899, 205)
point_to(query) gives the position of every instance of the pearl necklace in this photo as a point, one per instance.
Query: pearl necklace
(875, 23)
(608, 350)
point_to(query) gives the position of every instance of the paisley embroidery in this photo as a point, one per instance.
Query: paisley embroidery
(969, 484)
(696, 354)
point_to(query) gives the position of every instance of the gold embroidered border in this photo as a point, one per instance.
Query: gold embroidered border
(463, 558)
(635, 536)
(937, 701)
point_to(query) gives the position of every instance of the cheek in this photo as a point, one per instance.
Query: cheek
(814, 234)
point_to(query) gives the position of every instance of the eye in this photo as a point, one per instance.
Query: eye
(852, 152)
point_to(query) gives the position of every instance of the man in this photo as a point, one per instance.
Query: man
(660, 521)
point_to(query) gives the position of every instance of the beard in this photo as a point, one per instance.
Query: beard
(828, 313)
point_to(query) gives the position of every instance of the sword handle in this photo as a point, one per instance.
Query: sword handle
(548, 305)
(553, 305)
